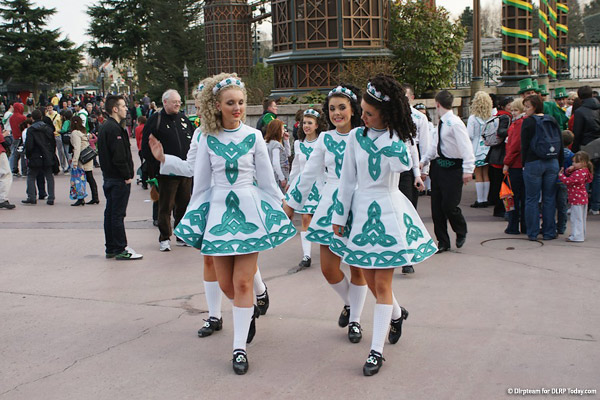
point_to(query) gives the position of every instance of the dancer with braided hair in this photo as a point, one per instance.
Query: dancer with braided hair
(376, 226)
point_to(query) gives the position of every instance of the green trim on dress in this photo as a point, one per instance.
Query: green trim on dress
(231, 153)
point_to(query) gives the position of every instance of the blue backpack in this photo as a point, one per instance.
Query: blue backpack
(547, 140)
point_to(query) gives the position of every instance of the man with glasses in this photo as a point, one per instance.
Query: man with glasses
(174, 130)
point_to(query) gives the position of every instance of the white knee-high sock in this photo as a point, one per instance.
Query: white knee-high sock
(341, 288)
(241, 324)
(213, 298)
(356, 296)
(381, 322)
(305, 244)
(259, 285)
(396, 311)
(479, 188)
(486, 190)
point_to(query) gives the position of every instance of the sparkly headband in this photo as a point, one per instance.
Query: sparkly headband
(312, 112)
(420, 106)
(226, 83)
(200, 87)
(345, 91)
(375, 94)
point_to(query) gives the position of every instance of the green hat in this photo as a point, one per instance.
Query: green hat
(525, 85)
(543, 90)
(560, 93)
(536, 86)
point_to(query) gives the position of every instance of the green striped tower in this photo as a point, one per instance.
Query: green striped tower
(552, 44)
(516, 40)
(562, 28)
(543, 36)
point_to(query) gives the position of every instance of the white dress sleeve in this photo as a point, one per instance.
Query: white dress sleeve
(465, 146)
(276, 164)
(265, 177)
(348, 181)
(404, 151)
(202, 168)
(313, 169)
(414, 156)
(296, 162)
(174, 165)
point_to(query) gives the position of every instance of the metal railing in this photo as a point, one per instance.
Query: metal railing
(584, 63)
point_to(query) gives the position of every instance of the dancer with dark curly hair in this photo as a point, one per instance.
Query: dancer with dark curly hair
(342, 111)
(377, 228)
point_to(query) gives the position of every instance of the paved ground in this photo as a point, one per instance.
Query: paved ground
(501, 313)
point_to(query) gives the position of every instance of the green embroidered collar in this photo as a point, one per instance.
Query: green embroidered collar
(234, 130)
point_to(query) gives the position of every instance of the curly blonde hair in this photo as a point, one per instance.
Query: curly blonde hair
(211, 117)
(481, 105)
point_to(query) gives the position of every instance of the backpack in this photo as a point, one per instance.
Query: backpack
(490, 132)
(547, 139)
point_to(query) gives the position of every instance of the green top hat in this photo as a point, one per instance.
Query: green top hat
(560, 93)
(525, 85)
(536, 86)
(543, 90)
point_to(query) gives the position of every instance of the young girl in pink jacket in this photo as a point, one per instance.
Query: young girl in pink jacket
(576, 177)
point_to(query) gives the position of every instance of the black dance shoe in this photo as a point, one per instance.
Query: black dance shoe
(354, 332)
(373, 363)
(396, 327)
(79, 202)
(252, 330)
(460, 241)
(305, 263)
(262, 301)
(344, 317)
(408, 269)
(93, 201)
(240, 361)
(211, 325)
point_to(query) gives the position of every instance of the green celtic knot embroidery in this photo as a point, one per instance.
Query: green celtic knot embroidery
(337, 149)
(314, 193)
(396, 149)
(231, 153)
(233, 220)
(306, 150)
(250, 245)
(373, 230)
(197, 219)
(272, 216)
(295, 193)
(335, 206)
(445, 163)
(413, 233)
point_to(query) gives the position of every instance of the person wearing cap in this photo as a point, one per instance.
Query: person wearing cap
(556, 108)
(526, 87)
(543, 92)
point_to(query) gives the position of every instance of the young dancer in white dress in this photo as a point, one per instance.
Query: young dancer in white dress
(229, 216)
(342, 111)
(312, 123)
(381, 228)
(481, 111)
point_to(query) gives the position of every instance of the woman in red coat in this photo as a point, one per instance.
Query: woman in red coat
(513, 166)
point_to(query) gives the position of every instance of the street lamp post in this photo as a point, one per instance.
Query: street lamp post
(130, 78)
(102, 77)
(185, 82)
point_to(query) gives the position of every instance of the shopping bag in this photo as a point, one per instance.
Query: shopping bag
(78, 184)
(506, 194)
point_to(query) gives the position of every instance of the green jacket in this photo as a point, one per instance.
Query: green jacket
(551, 108)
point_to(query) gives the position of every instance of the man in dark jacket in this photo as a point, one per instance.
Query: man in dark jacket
(268, 115)
(174, 131)
(40, 147)
(586, 128)
(114, 151)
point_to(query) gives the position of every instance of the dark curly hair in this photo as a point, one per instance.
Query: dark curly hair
(355, 105)
(395, 113)
(321, 124)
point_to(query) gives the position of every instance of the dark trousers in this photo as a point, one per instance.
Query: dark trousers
(116, 192)
(496, 175)
(89, 176)
(144, 169)
(41, 184)
(446, 192)
(32, 180)
(407, 187)
(517, 216)
(174, 196)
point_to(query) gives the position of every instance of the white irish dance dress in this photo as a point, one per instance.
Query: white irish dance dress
(302, 152)
(382, 228)
(328, 152)
(230, 211)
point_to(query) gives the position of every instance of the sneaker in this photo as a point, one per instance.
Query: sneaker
(165, 245)
(181, 243)
(305, 263)
(7, 205)
(262, 302)
(594, 212)
(396, 327)
(344, 317)
(373, 364)
(127, 255)
(252, 330)
(354, 332)
(211, 325)
(408, 269)
(110, 255)
(240, 361)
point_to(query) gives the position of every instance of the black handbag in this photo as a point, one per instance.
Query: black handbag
(87, 155)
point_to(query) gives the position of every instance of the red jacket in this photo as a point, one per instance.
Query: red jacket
(138, 136)
(16, 119)
(576, 182)
(2, 149)
(513, 144)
